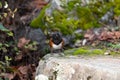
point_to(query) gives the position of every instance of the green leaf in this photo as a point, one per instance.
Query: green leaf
(2, 28)
(1, 79)
(7, 45)
(6, 79)
(6, 58)
(0, 4)
(10, 33)
(1, 45)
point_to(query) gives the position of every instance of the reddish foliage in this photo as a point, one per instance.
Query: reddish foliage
(108, 36)
(90, 35)
(22, 42)
(21, 73)
(38, 3)
(10, 76)
(26, 72)
(104, 35)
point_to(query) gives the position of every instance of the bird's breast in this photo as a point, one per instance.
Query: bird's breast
(55, 46)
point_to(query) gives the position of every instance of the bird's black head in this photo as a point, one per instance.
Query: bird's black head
(56, 37)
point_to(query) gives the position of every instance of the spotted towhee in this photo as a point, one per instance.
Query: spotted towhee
(56, 42)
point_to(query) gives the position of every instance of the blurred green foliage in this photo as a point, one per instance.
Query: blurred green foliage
(117, 7)
(89, 52)
(0, 4)
(5, 45)
(75, 15)
(2, 28)
(114, 46)
(39, 21)
(84, 51)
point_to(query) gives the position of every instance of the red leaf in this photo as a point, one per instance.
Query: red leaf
(23, 69)
(22, 42)
(10, 76)
(18, 57)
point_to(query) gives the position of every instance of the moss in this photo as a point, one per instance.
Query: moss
(89, 51)
(84, 51)
(98, 51)
(81, 51)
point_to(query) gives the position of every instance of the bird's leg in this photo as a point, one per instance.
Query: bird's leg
(51, 50)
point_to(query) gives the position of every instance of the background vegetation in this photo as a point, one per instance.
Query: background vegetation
(77, 15)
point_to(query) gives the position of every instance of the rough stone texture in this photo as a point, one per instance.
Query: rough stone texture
(78, 68)
(55, 5)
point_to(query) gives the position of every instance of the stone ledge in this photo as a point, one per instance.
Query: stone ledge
(75, 68)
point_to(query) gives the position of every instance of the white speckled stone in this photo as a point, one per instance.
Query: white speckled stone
(75, 68)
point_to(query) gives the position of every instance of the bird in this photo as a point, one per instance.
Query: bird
(56, 42)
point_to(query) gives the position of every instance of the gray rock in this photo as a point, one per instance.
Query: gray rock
(78, 68)
(33, 34)
(68, 39)
(107, 18)
(56, 5)
(37, 35)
